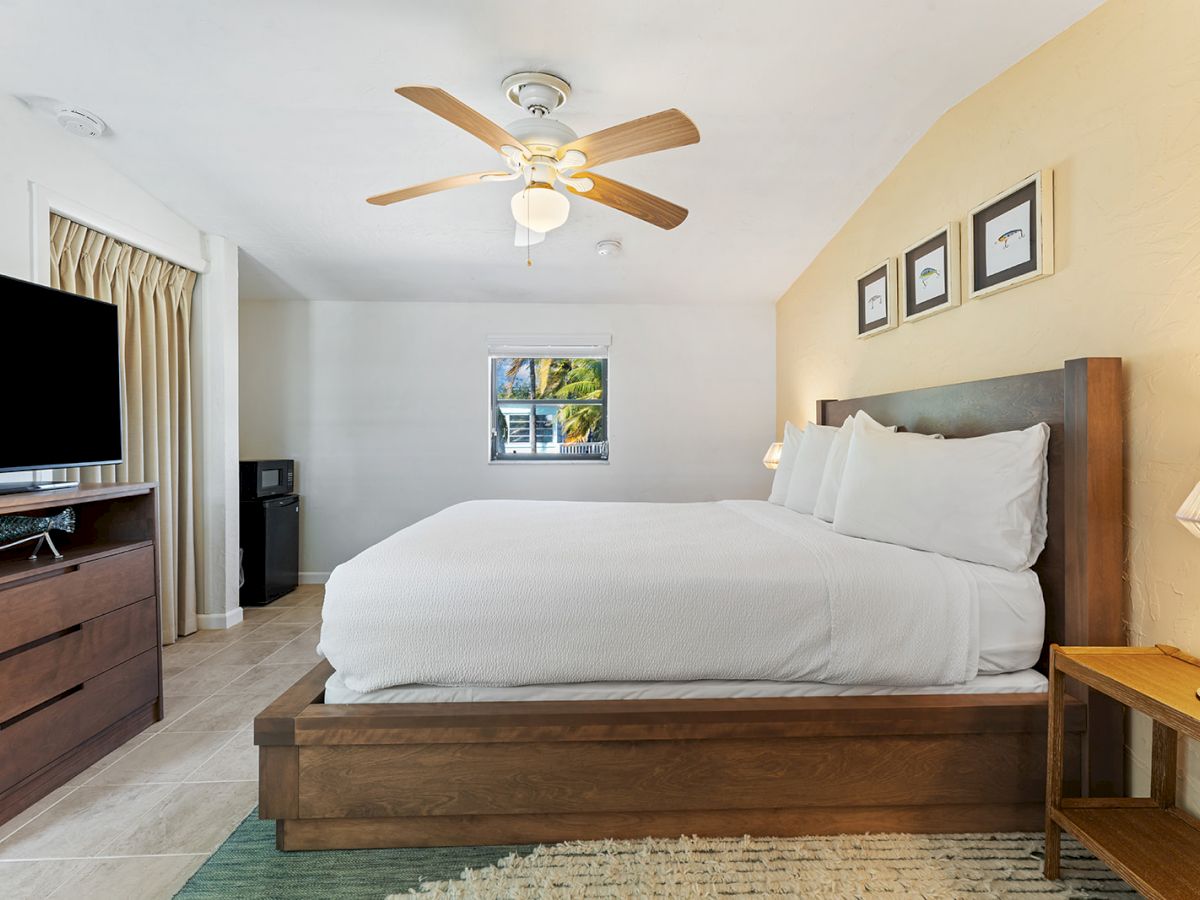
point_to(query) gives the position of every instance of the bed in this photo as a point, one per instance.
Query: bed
(535, 749)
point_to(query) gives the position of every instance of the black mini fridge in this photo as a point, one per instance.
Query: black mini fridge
(270, 548)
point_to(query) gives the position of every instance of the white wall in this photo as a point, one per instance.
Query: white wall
(33, 151)
(384, 407)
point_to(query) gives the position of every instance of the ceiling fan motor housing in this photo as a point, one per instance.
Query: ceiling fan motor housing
(541, 135)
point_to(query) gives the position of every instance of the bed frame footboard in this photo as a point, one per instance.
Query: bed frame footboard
(441, 774)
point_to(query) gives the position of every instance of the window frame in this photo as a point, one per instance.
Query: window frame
(494, 404)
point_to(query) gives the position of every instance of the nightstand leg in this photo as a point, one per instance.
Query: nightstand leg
(1164, 765)
(1054, 768)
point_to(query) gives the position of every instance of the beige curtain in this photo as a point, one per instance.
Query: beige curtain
(154, 303)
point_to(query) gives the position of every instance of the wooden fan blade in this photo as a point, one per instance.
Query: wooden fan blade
(661, 131)
(431, 187)
(631, 201)
(458, 113)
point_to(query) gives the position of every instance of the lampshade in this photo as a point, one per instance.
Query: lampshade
(540, 207)
(771, 460)
(1189, 513)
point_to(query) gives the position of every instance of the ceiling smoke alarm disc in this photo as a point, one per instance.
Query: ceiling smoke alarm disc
(79, 121)
(608, 248)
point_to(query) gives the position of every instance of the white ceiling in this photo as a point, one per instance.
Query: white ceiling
(270, 121)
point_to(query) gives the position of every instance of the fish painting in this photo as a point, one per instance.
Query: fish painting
(1011, 235)
(926, 273)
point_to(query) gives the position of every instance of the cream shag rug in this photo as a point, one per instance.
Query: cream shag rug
(926, 866)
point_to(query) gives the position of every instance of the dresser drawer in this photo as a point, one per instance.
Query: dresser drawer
(34, 675)
(35, 739)
(34, 609)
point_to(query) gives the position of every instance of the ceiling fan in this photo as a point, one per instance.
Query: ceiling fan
(543, 151)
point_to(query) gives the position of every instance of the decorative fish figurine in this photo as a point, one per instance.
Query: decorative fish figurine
(15, 527)
(926, 273)
(1010, 236)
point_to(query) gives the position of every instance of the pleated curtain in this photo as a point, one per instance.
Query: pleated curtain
(154, 302)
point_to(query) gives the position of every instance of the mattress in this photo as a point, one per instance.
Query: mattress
(1027, 681)
(741, 591)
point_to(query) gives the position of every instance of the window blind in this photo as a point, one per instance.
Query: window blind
(555, 346)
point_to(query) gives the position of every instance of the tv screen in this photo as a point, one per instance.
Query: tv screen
(62, 379)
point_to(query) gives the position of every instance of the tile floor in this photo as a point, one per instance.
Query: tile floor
(139, 822)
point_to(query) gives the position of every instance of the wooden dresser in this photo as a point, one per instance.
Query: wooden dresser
(80, 655)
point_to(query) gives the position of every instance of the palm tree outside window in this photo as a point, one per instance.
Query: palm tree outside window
(549, 408)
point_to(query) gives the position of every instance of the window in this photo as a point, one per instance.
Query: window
(549, 407)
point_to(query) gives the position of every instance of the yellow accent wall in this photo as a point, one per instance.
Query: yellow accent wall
(1113, 106)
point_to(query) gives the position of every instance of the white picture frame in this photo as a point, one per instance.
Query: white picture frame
(1022, 248)
(921, 293)
(876, 294)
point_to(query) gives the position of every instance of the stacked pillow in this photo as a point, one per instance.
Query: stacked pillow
(977, 499)
(787, 462)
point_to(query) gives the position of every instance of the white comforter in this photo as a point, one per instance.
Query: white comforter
(504, 592)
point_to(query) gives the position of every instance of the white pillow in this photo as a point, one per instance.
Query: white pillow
(835, 464)
(810, 466)
(977, 499)
(787, 461)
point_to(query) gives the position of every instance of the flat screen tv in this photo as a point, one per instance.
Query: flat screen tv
(62, 379)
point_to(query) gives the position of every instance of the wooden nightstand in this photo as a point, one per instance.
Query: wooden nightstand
(1148, 841)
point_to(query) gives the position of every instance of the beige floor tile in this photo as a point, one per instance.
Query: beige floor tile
(82, 822)
(246, 653)
(176, 706)
(221, 712)
(192, 818)
(33, 812)
(166, 757)
(267, 680)
(100, 765)
(218, 635)
(130, 876)
(299, 596)
(260, 615)
(203, 679)
(302, 650)
(187, 655)
(278, 631)
(35, 880)
(309, 614)
(237, 760)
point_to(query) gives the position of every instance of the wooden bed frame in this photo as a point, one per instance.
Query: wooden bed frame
(432, 774)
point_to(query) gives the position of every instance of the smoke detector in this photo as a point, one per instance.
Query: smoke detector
(79, 121)
(608, 248)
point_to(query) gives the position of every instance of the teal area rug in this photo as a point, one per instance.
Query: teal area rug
(247, 865)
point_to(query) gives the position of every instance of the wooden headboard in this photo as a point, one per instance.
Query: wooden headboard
(1081, 569)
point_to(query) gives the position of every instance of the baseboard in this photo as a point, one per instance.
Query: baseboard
(314, 577)
(219, 621)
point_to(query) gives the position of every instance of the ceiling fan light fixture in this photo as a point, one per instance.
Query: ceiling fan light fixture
(540, 208)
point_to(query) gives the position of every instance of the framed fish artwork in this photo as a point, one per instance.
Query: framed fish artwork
(877, 299)
(1010, 238)
(929, 277)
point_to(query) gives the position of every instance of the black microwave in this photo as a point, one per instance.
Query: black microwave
(267, 478)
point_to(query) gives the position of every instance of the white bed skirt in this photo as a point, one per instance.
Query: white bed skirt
(1028, 681)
